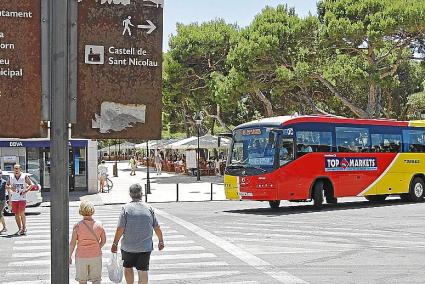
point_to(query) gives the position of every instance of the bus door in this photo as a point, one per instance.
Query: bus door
(353, 163)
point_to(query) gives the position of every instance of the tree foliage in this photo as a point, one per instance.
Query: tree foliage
(355, 58)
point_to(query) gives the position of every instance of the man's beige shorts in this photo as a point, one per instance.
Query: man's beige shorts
(88, 269)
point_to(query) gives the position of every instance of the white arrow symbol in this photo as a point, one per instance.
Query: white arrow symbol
(158, 3)
(151, 27)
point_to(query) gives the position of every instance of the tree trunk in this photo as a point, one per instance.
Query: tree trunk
(355, 109)
(372, 100)
(268, 108)
(218, 118)
(310, 101)
(212, 127)
(186, 122)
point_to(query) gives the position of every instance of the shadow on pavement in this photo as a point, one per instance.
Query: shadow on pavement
(307, 209)
(185, 179)
(73, 195)
(11, 236)
(173, 178)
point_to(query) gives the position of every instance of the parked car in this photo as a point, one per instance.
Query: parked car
(34, 198)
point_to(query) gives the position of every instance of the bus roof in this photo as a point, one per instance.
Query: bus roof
(289, 120)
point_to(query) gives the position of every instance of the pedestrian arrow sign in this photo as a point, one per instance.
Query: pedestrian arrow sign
(150, 27)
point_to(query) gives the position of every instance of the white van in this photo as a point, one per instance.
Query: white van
(33, 197)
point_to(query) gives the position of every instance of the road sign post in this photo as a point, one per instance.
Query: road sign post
(59, 210)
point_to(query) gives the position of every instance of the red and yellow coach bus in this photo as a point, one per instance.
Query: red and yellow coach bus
(317, 158)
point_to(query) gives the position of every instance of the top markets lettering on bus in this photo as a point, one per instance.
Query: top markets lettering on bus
(350, 164)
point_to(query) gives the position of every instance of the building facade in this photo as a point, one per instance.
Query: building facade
(34, 157)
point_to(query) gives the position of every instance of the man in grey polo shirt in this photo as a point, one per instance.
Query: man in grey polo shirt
(136, 224)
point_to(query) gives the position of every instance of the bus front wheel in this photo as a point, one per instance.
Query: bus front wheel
(274, 204)
(318, 195)
(417, 189)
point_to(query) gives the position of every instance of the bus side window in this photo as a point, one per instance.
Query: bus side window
(352, 139)
(313, 141)
(386, 143)
(414, 141)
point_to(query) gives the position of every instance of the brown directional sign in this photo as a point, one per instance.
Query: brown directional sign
(20, 68)
(119, 69)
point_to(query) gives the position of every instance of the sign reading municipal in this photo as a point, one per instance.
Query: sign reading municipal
(20, 68)
(119, 69)
(336, 164)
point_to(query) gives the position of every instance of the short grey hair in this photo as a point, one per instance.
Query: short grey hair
(136, 191)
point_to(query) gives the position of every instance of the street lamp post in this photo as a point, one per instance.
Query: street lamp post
(198, 120)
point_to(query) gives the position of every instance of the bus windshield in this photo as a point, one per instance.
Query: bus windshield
(253, 152)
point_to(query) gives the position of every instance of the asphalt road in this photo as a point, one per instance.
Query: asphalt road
(246, 242)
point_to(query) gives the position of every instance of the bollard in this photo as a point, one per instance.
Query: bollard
(115, 170)
(212, 192)
(177, 192)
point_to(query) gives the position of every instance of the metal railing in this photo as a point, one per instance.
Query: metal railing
(178, 190)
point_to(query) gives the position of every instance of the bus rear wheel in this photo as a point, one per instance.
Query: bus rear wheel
(274, 204)
(417, 189)
(318, 195)
(376, 198)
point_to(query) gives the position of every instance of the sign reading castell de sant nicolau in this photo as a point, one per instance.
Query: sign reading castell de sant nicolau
(119, 69)
(20, 68)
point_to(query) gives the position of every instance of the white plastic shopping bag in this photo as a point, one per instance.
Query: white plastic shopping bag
(115, 269)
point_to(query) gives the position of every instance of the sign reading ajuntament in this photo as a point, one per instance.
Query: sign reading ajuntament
(20, 68)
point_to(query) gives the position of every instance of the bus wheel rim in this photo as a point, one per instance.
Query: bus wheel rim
(419, 190)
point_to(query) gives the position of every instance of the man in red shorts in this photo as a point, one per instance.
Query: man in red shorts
(18, 185)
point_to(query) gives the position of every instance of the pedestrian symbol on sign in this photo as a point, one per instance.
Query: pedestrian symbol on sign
(127, 24)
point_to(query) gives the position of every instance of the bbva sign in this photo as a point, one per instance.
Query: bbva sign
(16, 144)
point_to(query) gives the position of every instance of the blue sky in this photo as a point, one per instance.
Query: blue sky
(233, 11)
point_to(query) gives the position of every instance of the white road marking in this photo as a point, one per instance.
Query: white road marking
(32, 242)
(245, 256)
(191, 275)
(183, 256)
(43, 242)
(36, 236)
(35, 273)
(167, 242)
(31, 254)
(187, 265)
(192, 248)
(239, 282)
(30, 263)
(28, 248)
(29, 282)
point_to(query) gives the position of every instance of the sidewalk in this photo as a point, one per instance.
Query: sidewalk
(163, 187)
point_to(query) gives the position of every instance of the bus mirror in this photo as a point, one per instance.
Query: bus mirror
(271, 137)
